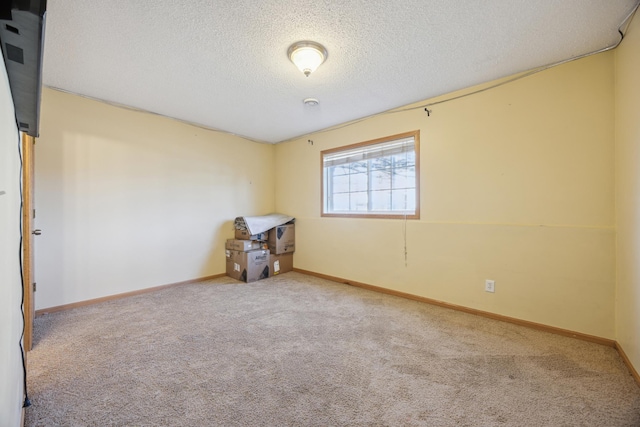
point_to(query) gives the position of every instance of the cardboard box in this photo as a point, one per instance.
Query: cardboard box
(282, 239)
(244, 245)
(244, 235)
(248, 266)
(279, 264)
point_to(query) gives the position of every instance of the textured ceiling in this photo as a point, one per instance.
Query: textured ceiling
(223, 64)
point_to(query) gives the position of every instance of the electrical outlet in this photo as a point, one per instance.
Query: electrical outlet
(490, 285)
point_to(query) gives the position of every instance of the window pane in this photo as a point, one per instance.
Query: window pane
(400, 160)
(358, 182)
(341, 202)
(381, 200)
(377, 178)
(381, 163)
(404, 178)
(358, 167)
(359, 201)
(341, 184)
(340, 170)
(405, 159)
(381, 179)
(411, 158)
(403, 200)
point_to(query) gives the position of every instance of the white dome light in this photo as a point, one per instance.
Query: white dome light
(307, 56)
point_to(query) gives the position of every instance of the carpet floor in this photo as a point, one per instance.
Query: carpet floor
(295, 350)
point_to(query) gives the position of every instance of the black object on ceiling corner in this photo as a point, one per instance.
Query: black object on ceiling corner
(22, 40)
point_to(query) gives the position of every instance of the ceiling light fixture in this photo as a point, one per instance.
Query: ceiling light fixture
(312, 102)
(307, 56)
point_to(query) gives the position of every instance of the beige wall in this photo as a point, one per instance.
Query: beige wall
(517, 185)
(11, 391)
(128, 200)
(627, 107)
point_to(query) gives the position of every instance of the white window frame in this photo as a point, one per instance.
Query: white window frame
(369, 151)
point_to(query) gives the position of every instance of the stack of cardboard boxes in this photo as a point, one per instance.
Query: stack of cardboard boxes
(258, 256)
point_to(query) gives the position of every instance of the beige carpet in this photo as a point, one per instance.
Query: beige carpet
(295, 350)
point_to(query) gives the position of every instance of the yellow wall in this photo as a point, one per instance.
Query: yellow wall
(517, 185)
(128, 200)
(627, 109)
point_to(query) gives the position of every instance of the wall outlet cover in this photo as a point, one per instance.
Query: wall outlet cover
(490, 285)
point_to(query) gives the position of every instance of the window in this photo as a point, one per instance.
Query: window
(377, 178)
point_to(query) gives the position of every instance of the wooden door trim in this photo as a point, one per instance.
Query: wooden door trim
(27, 238)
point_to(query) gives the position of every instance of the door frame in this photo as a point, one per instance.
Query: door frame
(28, 216)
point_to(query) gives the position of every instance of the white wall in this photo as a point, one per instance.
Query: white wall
(129, 200)
(628, 193)
(11, 389)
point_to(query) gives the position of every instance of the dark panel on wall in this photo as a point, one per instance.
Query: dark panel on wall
(22, 41)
